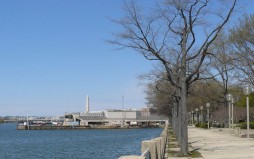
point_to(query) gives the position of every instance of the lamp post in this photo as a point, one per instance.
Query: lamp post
(201, 110)
(229, 99)
(208, 106)
(232, 108)
(197, 115)
(247, 91)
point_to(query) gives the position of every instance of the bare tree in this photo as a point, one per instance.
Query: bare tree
(218, 115)
(173, 36)
(202, 92)
(162, 95)
(159, 99)
(242, 38)
(222, 67)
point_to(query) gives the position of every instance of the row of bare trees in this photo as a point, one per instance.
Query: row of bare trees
(180, 36)
(199, 94)
(229, 70)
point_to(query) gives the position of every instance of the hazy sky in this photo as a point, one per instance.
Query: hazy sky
(53, 53)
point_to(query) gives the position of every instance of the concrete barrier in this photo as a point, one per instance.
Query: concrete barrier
(151, 145)
(159, 146)
(154, 148)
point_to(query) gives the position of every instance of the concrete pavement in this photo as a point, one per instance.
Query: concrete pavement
(220, 144)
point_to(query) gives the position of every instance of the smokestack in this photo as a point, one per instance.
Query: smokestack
(87, 104)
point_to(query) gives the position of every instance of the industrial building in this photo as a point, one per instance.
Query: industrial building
(115, 117)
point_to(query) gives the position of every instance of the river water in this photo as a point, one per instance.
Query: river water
(72, 144)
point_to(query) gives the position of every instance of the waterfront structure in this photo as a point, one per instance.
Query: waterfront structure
(115, 117)
(112, 118)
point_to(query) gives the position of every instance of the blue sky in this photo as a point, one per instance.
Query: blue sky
(53, 53)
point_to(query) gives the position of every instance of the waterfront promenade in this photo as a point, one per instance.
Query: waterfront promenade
(220, 144)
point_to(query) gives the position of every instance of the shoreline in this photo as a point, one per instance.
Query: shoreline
(49, 127)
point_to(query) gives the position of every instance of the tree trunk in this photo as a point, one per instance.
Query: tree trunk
(177, 122)
(184, 120)
(183, 96)
(174, 119)
(179, 125)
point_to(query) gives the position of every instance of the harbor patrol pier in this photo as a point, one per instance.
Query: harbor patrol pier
(116, 118)
(109, 118)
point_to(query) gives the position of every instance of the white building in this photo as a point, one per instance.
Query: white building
(115, 117)
(123, 117)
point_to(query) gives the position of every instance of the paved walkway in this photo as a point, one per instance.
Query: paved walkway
(215, 144)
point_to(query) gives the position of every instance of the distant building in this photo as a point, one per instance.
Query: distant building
(114, 117)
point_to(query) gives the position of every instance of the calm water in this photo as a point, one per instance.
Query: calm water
(75, 144)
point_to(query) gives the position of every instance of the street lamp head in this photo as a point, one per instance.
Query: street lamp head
(229, 97)
(247, 90)
(201, 107)
(192, 111)
(196, 109)
(207, 105)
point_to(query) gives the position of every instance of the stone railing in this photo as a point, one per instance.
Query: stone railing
(152, 149)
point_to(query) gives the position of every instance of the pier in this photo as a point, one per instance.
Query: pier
(68, 127)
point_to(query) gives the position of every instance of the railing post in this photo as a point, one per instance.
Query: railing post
(152, 148)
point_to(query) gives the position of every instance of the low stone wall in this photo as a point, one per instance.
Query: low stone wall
(152, 149)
